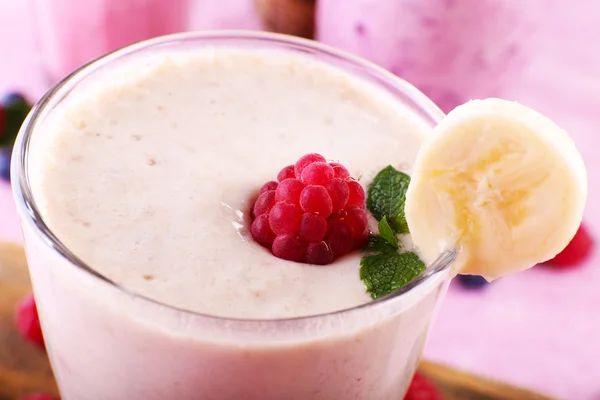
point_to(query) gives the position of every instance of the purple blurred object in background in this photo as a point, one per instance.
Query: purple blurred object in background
(453, 50)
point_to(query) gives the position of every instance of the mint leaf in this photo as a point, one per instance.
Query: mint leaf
(387, 195)
(383, 269)
(387, 271)
(377, 244)
(386, 232)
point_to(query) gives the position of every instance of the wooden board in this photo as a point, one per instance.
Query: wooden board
(24, 368)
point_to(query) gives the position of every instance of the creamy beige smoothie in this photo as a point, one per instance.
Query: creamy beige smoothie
(146, 172)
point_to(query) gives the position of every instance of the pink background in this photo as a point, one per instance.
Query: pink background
(539, 329)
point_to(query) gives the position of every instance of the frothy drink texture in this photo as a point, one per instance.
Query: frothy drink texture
(147, 173)
(150, 180)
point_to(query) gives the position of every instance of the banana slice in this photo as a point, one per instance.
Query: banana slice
(501, 183)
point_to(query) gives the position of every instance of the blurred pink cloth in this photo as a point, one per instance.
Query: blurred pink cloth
(537, 329)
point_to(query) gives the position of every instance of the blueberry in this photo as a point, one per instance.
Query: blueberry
(13, 98)
(5, 164)
(472, 281)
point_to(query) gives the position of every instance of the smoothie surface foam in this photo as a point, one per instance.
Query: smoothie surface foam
(147, 173)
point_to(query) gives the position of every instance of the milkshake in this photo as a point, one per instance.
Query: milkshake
(71, 34)
(453, 51)
(136, 188)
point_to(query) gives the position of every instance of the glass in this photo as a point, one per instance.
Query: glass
(72, 33)
(452, 50)
(105, 342)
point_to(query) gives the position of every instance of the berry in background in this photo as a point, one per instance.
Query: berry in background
(28, 322)
(576, 252)
(472, 281)
(5, 154)
(421, 388)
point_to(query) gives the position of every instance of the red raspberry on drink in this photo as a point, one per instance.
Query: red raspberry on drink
(313, 213)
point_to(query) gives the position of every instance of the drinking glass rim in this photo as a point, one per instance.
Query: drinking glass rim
(31, 216)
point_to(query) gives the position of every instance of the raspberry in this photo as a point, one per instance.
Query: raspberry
(319, 253)
(313, 213)
(304, 161)
(339, 171)
(28, 322)
(340, 239)
(356, 218)
(339, 193)
(261, 231)
(356, 194)
(422, 389)
(271, 185)
(362, 239)
(315, 199)
(284, 218)
(576, 251)
(38, 397)
(313, 227)
(317, 173)
(289, 247)
(289, 190)
(264, 203)
(286, 173)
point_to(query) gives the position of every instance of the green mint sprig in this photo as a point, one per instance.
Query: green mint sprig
(385, 268)
(382, 273)
(387, 233)
(386, 197)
